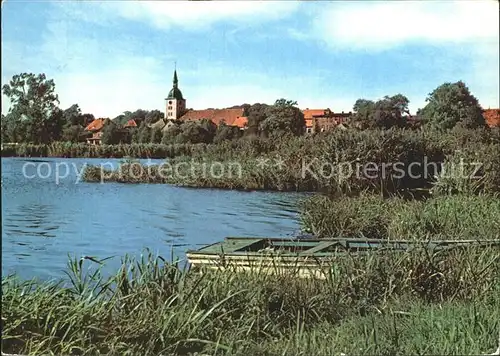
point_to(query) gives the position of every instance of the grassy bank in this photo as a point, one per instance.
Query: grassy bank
(418, 302)
(408, 303)
(340, 163)
(448, 217)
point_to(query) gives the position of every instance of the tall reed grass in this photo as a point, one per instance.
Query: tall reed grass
(83, 150)
(419, 303)
(452, 217)
(338, 163)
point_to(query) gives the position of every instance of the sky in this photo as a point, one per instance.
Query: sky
(110, 57)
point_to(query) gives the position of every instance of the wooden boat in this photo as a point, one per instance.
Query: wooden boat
(304, 257)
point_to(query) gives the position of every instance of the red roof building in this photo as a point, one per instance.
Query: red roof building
(96, 128)
(130, 123)
(492, 117)
(95, 125)
(323, 119)
(231, 117)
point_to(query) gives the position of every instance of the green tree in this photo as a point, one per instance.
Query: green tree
(111, 133)
(87, 119)
(194, 132)
(388, 112)
(210, 130)
(284, 117)
(73, 116)
(153, 116)
(170, 135)
(156, 136)
(34, 106)
(256, 114)
(225, 133)
(73, 133)
(143, 134)
(452, 104)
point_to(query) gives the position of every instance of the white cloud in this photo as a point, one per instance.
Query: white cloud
(196, 15)
(107, 76)
(383, 25)
(468, 28)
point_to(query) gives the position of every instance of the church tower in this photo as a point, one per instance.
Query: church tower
(175, 103)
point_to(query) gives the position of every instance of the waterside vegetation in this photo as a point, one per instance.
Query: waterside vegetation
(418, 302)
(404, 303)
(338, 163)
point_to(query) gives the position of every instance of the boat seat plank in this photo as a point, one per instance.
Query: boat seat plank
(319, 247)
(233, 245)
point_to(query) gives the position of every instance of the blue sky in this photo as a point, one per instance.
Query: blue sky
(119, 55)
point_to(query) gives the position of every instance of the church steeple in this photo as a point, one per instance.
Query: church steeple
(175, 103)
(175, 93)
(176, 81)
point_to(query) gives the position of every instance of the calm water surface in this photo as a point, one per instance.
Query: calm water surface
(43, 222)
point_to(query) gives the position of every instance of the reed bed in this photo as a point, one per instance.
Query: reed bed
(385, 303)
(338, 163)
(83, 150)
(450, 217)
(404, 303)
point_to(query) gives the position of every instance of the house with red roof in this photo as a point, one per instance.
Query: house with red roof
(320, 120)
(175, 109)
(231, 117)
(95, 129)
(130, 123)
(492, 117)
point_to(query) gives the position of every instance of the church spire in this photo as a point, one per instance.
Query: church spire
(176, 81)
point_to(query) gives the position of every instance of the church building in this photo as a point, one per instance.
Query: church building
(175, 103)
(175, 109)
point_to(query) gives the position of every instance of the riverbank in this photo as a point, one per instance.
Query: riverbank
(418, 302)
(339, 163)
(445, 217)
(84, 150)
(409, 303)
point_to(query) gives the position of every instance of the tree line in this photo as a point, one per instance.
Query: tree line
(35, 117)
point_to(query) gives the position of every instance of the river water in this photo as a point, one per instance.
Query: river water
(45, 218)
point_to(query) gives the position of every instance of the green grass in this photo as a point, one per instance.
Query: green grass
(322, 164)
(444, 217)
(417, 303)
(83, 150)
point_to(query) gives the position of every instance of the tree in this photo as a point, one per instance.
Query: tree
(73, 115)
(194, 132)
(111, 133)
(12, 130)
(34, 106)
(156, 136)
(143, 134)
(87, 119)
(256, 114)
(225, 132)
(73, 133)
(210, 129)
(153, 116)
(170, 135)
(284, 117)
(363, 110)
(390, 111)
(139, 116)
(452, 104)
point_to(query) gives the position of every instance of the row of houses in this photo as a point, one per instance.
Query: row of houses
(95, 129)
(316, 120)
